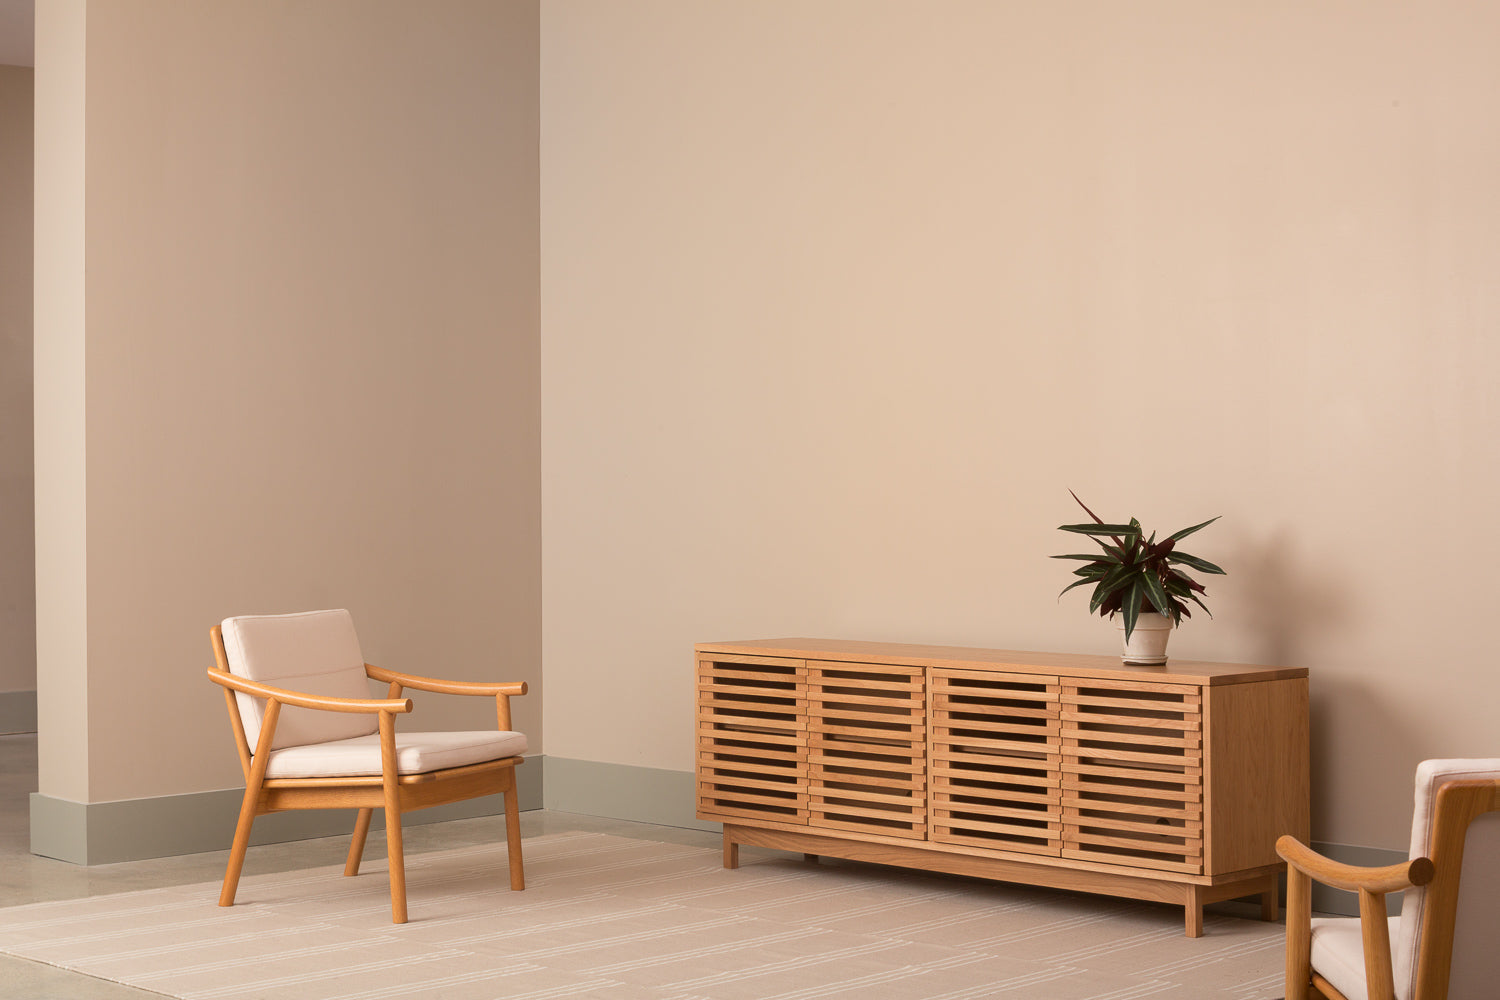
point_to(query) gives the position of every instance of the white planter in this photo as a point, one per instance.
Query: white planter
(1147, 644)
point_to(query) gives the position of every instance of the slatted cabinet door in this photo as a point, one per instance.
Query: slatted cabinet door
(1133, 773)
(993, 761)
(752, 738)
(867, 748)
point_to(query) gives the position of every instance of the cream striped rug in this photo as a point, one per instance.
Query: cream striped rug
(619, 918)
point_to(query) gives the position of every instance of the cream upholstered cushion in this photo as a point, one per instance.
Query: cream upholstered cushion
(416, 753)
(1338, 953)
(314, 652)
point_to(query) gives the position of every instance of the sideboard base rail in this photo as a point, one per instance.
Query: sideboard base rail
(1192, 896)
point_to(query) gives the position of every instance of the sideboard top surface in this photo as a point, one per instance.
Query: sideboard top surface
(1017, 661)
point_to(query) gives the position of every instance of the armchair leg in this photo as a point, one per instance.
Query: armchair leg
(513, 834)
(240, 846)
(391, 795)
(357, 845)
(397, 861)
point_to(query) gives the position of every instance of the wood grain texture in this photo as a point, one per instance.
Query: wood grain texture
(1122, 882)
(1005, 764)
(1076, 664)
(1258, 742)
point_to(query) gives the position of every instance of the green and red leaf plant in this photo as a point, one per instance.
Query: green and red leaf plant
(1135, 573)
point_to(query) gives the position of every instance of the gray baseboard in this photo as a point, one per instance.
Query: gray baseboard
(135, 829)
(17, 712)
(101, 833)
(1346, 904)
(622, 791)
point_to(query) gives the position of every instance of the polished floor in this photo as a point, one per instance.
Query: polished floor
(26, 878)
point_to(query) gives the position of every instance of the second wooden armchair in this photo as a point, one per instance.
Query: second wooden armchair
(1442, 945)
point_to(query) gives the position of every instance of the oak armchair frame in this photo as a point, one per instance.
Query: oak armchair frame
(1459, 802)
(395, 793)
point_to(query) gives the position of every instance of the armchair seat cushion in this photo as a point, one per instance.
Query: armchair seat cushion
(416, 753)
(1338, 954)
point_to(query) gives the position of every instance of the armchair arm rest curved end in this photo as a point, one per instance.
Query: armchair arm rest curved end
(1354, 878)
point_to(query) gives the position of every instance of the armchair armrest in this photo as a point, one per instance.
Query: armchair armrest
(438, 686)
(1354, 878)
(1371, 884)
(300, 700)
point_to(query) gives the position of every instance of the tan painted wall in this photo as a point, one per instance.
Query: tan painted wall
(841, 298)
(312, 345)
(17, 567)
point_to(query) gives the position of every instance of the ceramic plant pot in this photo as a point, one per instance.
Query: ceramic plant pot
(1147, 645)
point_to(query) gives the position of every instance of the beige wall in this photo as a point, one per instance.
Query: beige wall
(841, 298)
(17, 568)
(311, 354)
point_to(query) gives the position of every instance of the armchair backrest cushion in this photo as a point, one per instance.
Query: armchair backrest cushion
(315, 652)
(1476, 962)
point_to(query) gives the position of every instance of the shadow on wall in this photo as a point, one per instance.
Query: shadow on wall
(1285, 605)
(1387, 766)
(1291, 609)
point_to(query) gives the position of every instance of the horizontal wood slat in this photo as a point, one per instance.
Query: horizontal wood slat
(1009, 771)
(734, 808)
(1135, 859)
(988, 812)
(821, 775)
(1136, 823)
(1078, 771)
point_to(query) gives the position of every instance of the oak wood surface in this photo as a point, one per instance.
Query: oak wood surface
(1026, 872)
(1031, 763)
(1258, 737)
(1077, 664)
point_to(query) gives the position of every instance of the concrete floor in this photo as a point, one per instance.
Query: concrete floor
(26, 878)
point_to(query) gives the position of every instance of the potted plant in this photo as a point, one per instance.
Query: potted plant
(1141, 579)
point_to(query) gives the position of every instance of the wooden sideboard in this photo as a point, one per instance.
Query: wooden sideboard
(1166, 783)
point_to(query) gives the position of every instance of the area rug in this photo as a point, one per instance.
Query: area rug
(618, 918)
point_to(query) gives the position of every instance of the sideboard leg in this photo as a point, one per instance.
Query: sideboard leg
(1270, 901)
(810, 857)
(1193, 912)
(731, 853)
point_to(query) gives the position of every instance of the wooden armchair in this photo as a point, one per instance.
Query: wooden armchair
(296, 690)
(1443, 943)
